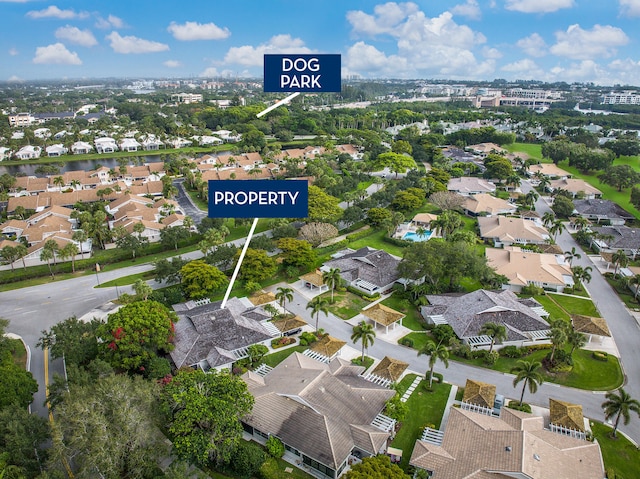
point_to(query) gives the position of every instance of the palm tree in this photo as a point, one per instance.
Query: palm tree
(421, 231)
(548, 218)
(557, 336)
(636, 280)
(497, 332)
(576, 340)
(142, 289)
(52, 246)
(527, 371)
(571, 255)
(582, 275)
(47, 255)
(620, 405)
(283, 295)
(363, 332)
(331, 278)
(530, 199)
(80, 236)
(188, 223)
(557, 227)
(59, 182)
(9, 254)
(435, 352)
(318, 305)
(70, 250)
(21, 252)
(580, 222)
(620, 260)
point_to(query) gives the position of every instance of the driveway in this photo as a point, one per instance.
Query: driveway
(187, 205)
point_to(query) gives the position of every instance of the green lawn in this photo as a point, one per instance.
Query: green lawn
(624, 293)
(425, 408)
(587, 373)
(276, 358)
(18, 352)
(554, 310)
(374, 240)
(345, 304)
(412, 320)
(419, 340)
(621, 458)
(368, 362)
(533, 150)
(470, 284)
(127, 280)
(575, 305)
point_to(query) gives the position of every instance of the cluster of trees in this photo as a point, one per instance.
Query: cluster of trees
(581, 156)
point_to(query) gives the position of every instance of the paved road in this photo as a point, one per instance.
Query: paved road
(185, 202)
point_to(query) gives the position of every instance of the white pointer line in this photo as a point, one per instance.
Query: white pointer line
(284, 101)
(235, 272)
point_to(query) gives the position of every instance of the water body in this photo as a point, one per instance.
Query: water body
(86, 165)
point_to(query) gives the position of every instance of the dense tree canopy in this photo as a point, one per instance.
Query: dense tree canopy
(297, 253)
(376, 467)
(136, 333)
(323, 207)
(22, 438)
(200, 279)
(203, 412)
(256, 265)
(74, 339)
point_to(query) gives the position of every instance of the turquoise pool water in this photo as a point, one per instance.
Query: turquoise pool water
(411, 236)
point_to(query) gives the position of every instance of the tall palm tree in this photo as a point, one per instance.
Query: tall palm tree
(582, 275)
(318, 305)
(557, 336)
(47, 255)
(635, 280)
(620, 405)
(283, 295)
(52, 246)
(620, 260)
(497, 332)
(70, 251)
(435, 352)
(80, 236)
(548, 218)
(363, 332)
(575, 339)
(527, 371)
(571, 255)
(556, 228)
(580, 222)
(331, 278)
(22, 251)
(530, 199)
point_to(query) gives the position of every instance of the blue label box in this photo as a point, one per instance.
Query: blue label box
(302, 73)
(258, 199)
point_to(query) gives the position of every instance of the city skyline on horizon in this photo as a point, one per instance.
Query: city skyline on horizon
(572, 41)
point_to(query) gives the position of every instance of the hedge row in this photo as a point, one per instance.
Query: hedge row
(356, 291)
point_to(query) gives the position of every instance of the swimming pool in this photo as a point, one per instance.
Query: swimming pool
(411, 236)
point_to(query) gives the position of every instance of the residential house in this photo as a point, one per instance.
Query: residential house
(484, 149)
(5, 153)
(468, 313)
(209, 337)
(458, 155)
(515, 445)
(602, 211)
(42, 133)
(151, 143)
(549, 170)
(206, 140)
(105, 145)
(609, 239)
(577, 187)
(324, 414)
(28, 152)
(81, 148)
(488, 205)
(179, 142)
(504, 231)
(367, 269)
(470, 186)
(353, 151)
(56, 150)
(522, 268)
(129, 144)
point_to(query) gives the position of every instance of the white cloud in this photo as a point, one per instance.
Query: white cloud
(492, 53)
(254, 56)
(57, 54)
(538, 6)
(386, 18)
(630, 8)
(362, 57)
(524, 65)
(172, 64)
(54, 12)
(13, 52)
(581, 44)
(110, 22)
(428, 46)
(198, 31)
(470, 9)
(77, 36)
(210, 72)
(533, 45)
(14, 78)
(131, 44)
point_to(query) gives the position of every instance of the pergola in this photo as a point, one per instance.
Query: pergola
(383, 315)
(289, 323)
(390, 369)
(565, 414)
(328, 346)
(261, 297)
(314, 280)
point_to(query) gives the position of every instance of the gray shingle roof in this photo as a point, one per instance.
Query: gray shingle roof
(209, 333)
(604, 208)
(467, 314)
(375, 266)
(323, 410)
(623, 237)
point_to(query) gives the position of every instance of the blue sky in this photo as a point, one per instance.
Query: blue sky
(551, 40)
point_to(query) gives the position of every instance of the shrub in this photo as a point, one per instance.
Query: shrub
(532, 290)
(158, 368)
(274, 447)
(463, 351)
(247, 459)
(512, 352)
(600, 356)
(442, 333)
(281, 342)
(397, 241)
(437, 377)
(535, 347)
(518, 407)
(406, 342)
(363, 295)
(480, 354)
(492, 357)
(359, 235)
(307, 338)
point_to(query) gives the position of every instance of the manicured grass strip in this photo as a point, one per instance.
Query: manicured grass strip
(127, 280)
(624, 293)
(425, 408)
(470, 284)
(575, 305)
(419, 340)
(621, 458)
(412, 320)
(375, 240)
(345, 305)
(553, 308)
(276, 358)
(587, 373)
(18, 352)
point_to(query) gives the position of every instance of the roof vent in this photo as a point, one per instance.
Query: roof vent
(536, 457)
(508, 448)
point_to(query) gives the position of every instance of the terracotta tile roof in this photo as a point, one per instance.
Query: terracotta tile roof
(522, 267)
(390, 368)
(511, 230)
(566, 414)
(479, 393)
(382, 314)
